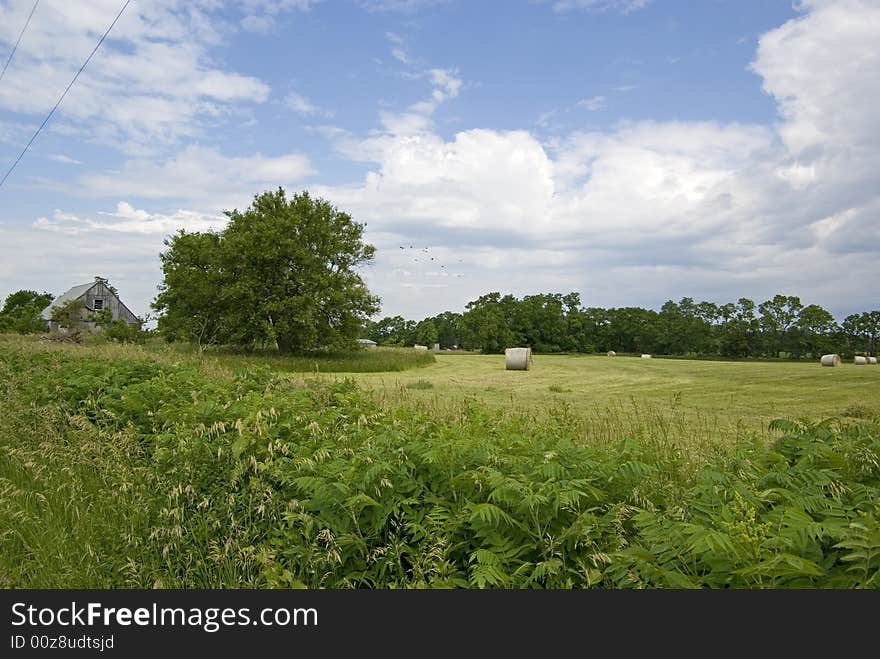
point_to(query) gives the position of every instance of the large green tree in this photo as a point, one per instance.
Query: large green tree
(283, 272)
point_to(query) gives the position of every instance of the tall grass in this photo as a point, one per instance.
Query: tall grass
(144, 473)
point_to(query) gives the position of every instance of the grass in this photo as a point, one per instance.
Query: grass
(692, 399)
(683, 402)
(220, 361)
(125, 471)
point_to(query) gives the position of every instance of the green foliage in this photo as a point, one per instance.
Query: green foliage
(70, 316)
(553, 322)
(129, 473)
(283, 272)
(21, 312)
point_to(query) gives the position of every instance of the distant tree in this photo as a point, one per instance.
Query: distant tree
(870, 321)
(862, 330)
(633, 329)
(21, 312)
(485, 324)
(448, 329)
(282, 272)
(778, 317)
(740, 330)
(540, 321)
(816, 329)
(426, 333)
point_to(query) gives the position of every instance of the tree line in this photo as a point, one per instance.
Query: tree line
(552, 322)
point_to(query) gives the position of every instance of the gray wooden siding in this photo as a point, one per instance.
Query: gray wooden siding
(110, 301)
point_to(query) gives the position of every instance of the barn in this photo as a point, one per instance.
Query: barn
(96, 296)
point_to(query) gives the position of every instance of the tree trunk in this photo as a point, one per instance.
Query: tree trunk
(284, 343)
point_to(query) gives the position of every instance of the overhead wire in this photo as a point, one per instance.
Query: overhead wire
(52, 111)
(20, 35)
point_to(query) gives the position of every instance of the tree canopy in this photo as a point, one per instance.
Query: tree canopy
(552, 322)
(21, 312)
(283, 272)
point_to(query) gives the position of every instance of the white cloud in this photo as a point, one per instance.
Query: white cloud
(400, 55)
(150, 84)
(127, 219)
(394, 37)
(822, 69)
(257, 24)
(446, 83)
(201, 176)
(593, 103)
(301, 104)
(624, 88)
(621, 6)
(67, 160)
(404, 6)
(261, 15)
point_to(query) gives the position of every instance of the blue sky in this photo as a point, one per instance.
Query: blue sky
(632, 150)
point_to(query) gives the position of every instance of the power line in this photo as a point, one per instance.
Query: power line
(52, 111)
(21, 34)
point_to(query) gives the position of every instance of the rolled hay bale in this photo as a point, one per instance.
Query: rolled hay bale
(860, 361)
(611, 353)
(872, 360)
(830, 360)
(646, 356)
(518, 359)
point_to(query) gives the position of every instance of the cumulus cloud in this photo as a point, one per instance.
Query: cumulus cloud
(697, 208)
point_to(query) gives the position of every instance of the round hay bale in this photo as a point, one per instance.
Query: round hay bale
(646, 356)
(830, 360)
(872, 360)
(860, 361)
(611, 353)
(518, 359)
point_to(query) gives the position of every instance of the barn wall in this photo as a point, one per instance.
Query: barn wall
(117, 309)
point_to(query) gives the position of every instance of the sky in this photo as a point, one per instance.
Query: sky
(634, 151)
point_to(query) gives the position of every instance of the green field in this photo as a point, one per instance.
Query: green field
(612, 395)
(152, 466)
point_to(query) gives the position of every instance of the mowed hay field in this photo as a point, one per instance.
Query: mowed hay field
(621, 395)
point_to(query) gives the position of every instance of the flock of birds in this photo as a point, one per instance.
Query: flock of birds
(427, 258)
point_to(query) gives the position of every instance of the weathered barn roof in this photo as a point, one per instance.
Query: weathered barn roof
(73, 294)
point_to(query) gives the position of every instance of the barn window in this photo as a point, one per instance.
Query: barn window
(99, 304)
